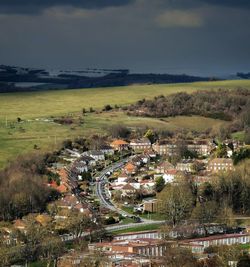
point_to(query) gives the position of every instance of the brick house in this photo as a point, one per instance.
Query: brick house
(220, 164)
(185, 165)
(119, 145)
(164, 166)
(165, 147)
(140, 144)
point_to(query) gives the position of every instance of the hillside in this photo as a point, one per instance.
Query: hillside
(17, 79)
(222, 104)
(36, 110)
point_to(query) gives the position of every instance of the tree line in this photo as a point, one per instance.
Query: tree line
(215, 201)
(221, 104)
(23, 187)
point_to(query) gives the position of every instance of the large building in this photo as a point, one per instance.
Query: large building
(201, 147)
(165, 147)
(220, 164)
(186, 165)
(143, 247)
(198, 245)
(140, 144)
(153, 234)
(170, 147)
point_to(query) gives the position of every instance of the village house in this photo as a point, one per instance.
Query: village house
(170, 175)
(107, 149)
(229, 152)
(122, 178)
(147, 156)
(130, 168)
(20, 224)
(220, 164)
(137, 160)
(132, 181)
(140, 144)
(147, 185)
(79, 167)
(119, 145)
(164, 166)
(61, 188)
(186, 165)
(88, 160)
(6, 236)
(95, 154)
(150, 153)
(234, 144)
(128, 190)
(122, 182)
(71, 202)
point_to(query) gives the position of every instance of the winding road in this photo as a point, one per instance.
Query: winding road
(106, 201)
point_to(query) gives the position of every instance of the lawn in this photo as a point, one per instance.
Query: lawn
(151, 216)
(245, 246)
(48, 103)
(35, 107)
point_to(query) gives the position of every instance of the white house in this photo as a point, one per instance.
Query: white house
(107, 149)
(169, 175)
(96, 154)
(88, 160)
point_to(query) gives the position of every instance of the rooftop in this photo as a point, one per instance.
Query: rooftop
(119, 142)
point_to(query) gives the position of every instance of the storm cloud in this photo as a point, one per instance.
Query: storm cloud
(232, 3)
(37, 6)
(202, 37)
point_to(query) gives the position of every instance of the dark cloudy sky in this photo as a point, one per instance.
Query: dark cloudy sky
(174, 36)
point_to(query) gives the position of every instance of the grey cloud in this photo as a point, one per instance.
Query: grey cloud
(130, 36)
(230, 3)
(37, 6)
(186, 4)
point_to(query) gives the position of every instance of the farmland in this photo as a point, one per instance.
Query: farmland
(37, 109)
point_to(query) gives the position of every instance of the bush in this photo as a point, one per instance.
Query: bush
(107, 108)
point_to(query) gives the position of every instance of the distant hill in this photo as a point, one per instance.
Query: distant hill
(243, 75)
(17, 79)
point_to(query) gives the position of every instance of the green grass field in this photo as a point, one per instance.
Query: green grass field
(48, 103)
(17, 138)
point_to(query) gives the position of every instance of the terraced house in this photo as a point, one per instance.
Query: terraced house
(143, 247)
(220, 164)
(140, 144)
(198, 245)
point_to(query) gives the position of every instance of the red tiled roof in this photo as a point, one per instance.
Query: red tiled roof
(130, 167)
(171, 172)
(119, 142)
